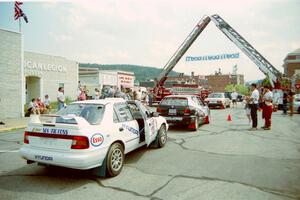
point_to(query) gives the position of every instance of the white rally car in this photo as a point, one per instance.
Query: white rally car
(93, 134)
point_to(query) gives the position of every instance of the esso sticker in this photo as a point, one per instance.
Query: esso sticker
(97, 139)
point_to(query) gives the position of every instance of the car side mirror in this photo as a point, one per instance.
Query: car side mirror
(154, 114)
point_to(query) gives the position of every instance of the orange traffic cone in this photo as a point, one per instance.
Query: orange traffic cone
(229, 118)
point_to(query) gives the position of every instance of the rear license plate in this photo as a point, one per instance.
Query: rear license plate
(172, 111)
(173, 118)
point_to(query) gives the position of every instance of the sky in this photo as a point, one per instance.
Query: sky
(148, 32)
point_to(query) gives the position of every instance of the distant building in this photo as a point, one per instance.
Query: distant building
(181, 79)
(291, 65)
(26, 75)
(94, 78)
(218, 81)
(237, 79)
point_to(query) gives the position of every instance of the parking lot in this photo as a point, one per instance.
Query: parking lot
(222, 160)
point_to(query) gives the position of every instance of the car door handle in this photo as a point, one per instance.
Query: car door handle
(121, 129)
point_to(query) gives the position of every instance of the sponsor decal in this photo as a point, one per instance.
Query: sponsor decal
(40, 157)
(97, 139)
(37, 130)
(130, 129)
(55, 131)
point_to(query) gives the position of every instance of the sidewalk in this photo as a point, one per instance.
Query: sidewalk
(14, 123)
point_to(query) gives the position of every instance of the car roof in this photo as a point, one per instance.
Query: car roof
(101, 101)
(181, 95)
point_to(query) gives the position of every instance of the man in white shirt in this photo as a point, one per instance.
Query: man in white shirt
(254, 105)
(60, 98)
(267, 108)
(234, 96)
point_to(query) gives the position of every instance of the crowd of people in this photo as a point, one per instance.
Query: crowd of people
(37, 106)
(113, 91)
(262, 100)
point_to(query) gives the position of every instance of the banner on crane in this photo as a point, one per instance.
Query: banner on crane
(213, 57)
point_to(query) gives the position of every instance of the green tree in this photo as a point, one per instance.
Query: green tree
(241, 89)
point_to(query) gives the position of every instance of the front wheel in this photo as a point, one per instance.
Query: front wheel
(115, 159)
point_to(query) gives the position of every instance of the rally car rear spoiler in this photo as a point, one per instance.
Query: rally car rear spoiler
(52, 120)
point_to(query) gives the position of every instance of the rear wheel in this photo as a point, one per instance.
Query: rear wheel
(115, 159)
(207, 120)
(161, 136)
(195, 125)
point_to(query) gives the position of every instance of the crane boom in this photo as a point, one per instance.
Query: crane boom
(181, 50)
(263, 64)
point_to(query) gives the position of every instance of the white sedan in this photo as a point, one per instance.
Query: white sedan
(218, 99)
(93, 134)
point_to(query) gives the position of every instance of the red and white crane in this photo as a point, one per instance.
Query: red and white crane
(263, 64)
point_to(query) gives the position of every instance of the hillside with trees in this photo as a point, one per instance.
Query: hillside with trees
(142, 73)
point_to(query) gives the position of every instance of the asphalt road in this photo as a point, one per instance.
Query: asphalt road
(223, 160)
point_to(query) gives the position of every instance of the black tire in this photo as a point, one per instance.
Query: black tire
(196, 124)
(115, 160)
(161, 138)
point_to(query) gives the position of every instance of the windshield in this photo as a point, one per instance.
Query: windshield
(93, 113)
(216, 95)
(176, 101)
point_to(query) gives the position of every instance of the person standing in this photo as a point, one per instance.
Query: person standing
(267, 107)
(253, 106)
(47, 102)
(97, 94)
(291, 102)
(61, 98)
(284, 102)
(234, 96)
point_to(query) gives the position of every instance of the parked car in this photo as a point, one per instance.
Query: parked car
(184, 110)
(297, 103)
(93, 134)
(218, 99)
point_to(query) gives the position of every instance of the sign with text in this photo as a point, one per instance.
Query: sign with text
(213, 57)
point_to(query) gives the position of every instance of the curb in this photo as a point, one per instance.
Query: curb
(12, 128)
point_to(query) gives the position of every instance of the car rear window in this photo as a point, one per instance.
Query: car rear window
(93, 113)
(174, 101)
(216, 95)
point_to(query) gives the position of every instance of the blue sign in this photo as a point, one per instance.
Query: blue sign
(212, 57)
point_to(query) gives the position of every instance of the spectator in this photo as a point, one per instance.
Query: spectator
(253, 103)
(234, 96)
(47, 102)
(32, 108)
(97, 94)
(285, 102)
(82, 95)
(41, 106)
(267, 108)
(61, 98)
(247, 108)
(291, 102)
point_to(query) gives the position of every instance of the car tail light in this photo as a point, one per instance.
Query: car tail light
(26, 141)
(187, 111)
(158, 109)
(80, 142)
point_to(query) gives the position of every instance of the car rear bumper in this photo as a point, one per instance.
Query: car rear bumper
(215, 105)
(186, 120)
(76, 160)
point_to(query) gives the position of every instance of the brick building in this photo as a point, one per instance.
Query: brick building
(292, 65)
(218, 82)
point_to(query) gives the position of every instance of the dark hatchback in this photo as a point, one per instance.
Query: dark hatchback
(183, 110)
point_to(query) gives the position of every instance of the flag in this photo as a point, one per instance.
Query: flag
(19, 12)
